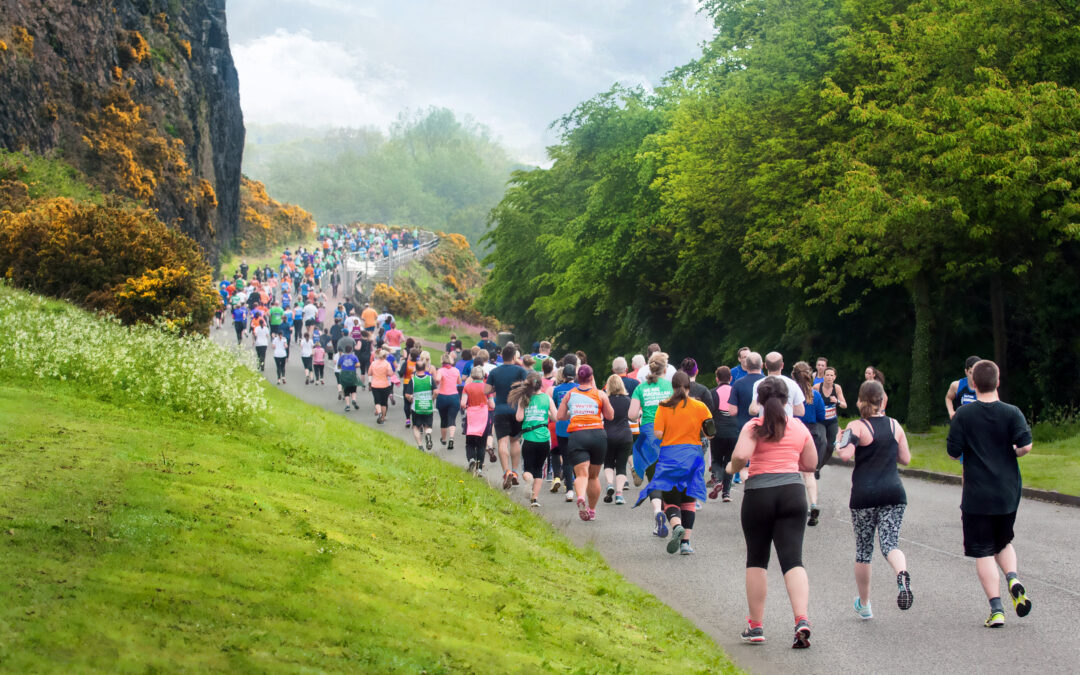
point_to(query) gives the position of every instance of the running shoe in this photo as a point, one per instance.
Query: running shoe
(380, 419)
(661, 526)
(609, 495)
(339, 396)
(408, 423)
(556, 484)
(862, 610)
(346, 408)
(534, 504)
(443, 441)
(996, 619)
(427, 440)
(817, 475)
(592, 514)
(491, 455)
(737, 478)
(637, 478)
(802, 635)
(814, 513)
(419, 447)
(711, 482)
(685, 548)
(450, 444)
(753, 635)
(676, 539)
(513, 474)
(1021, 602)
(472, 466)
(715, 492)
(506, 480)
(726, 497)
(393, 401)
(619, 501)
(582, 508)
(904, 596)
(569, 495)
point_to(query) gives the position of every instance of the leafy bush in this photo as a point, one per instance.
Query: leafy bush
(266, 223)
(142, 364)
(117, 259)
(399, 302)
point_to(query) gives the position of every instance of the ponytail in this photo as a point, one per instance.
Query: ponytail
(680, 383)
(522, 391)
(772, 397)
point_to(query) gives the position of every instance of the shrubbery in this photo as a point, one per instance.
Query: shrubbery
(142, 364)
(266, 223)
(114, 258)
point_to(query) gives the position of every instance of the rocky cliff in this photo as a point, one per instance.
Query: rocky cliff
(141, 95)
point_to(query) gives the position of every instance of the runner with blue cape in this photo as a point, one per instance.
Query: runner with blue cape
(679, 467)
(646, 449)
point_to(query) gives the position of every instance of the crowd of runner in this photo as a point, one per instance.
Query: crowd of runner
(766, 427)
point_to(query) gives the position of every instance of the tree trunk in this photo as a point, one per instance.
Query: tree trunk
(1001, 335)
(920, 396)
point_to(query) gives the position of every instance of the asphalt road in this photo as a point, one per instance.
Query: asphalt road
(942, 632)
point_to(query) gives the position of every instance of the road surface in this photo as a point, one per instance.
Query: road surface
(941, 633)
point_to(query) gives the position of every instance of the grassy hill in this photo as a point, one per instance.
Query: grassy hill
(270, 535)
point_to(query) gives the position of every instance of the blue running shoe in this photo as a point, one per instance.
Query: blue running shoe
(661, 526)
(862, 610)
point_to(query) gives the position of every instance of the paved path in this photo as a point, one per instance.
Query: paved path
(942, 633)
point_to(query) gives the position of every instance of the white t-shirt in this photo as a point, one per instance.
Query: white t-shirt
(281, 346)
(350, 323)
(310, 310)
(644, 372)
(306, 346)
(262, 336)
(795, 394)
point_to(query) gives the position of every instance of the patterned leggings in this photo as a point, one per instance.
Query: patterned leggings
(886, 520)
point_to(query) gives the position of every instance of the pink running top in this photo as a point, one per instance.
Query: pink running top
(779, 456)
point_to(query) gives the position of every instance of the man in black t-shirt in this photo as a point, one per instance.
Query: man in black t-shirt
(507, 428)
(991, 435)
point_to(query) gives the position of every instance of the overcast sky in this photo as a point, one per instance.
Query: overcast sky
(514, 65)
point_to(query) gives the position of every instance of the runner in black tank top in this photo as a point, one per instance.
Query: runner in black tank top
(878, 499)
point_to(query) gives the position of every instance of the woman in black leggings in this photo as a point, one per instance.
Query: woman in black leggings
(834, 401)
(774, 506)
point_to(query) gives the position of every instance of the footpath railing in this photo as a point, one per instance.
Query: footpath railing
(362, 274)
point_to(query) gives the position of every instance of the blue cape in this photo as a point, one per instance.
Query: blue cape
(680, 467)
(646, 449)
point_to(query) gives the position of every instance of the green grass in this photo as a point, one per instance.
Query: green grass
(134, 539)
(429, 330)
(47, 177)
(1052, 465)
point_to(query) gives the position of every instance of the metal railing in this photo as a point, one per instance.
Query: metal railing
(362, 272)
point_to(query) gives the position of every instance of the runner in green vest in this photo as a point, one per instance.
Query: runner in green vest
(534, 409)
(423, 401)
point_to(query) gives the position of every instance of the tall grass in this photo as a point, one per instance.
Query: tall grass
(144, 365)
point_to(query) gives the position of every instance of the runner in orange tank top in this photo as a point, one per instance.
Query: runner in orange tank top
(586, 408)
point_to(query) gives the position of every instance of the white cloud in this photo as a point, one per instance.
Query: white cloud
(294, 78)
(513, 66)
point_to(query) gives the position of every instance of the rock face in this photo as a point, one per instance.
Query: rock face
(141, 95)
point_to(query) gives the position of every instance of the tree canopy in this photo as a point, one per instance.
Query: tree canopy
(887, 182)
(433, 171)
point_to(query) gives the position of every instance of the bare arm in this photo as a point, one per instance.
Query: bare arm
(903, 456)
(840, 400)
(846, 452)
(1020, 452)
(552, 410)
(635, 409)
(950, 396)
(488, 389)
(520, 415)
(608, 410)
(563, 416)
(808, 457)
(798, 410)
